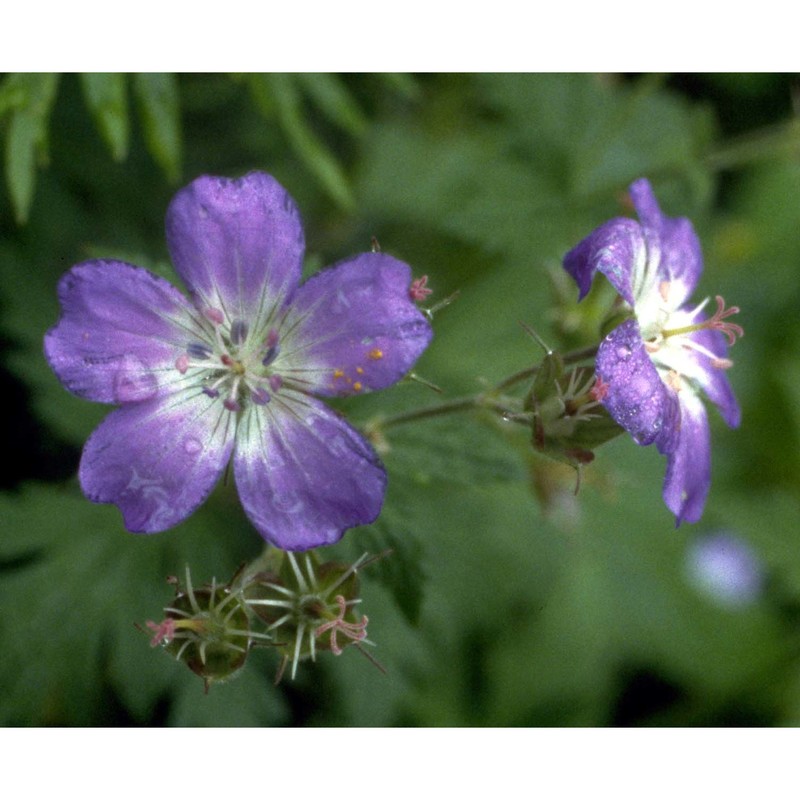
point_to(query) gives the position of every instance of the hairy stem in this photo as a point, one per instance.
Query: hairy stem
(486, 399)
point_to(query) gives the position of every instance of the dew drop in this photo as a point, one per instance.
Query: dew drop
(624, 351)
(192, 446)
(133, 382)
(288, 502)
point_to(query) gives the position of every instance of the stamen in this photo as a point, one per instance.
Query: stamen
(199, 350)
(600, 389)
(163, 632)
(674, 381)
(272, 347)
(260, 396)
(419, 290)
(182, 363)
(215, 315)
(271, 355)
(238, 332)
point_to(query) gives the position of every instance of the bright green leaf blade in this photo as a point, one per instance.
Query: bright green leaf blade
(157, 94)
(26, 139)
(23, 133)
(317, 158)
(12, 93)
(400, 571)
(330, 95)
(106, 97)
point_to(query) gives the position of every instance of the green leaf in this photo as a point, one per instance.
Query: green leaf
(466, 449)
(77, 583)
(157, 94)
(280, 93)
(400, 571)
(106, 96)
(32, 98)
(330, 95)
(249, 700)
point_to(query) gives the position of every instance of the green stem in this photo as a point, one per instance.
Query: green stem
(485, 399)
(780, 139)
(451, 407)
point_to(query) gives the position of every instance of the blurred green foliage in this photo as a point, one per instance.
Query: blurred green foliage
(507, 600)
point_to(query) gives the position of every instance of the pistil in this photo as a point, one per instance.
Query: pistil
(730, 329)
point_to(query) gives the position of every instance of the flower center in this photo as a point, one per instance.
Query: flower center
(680, 334)
(232, 363)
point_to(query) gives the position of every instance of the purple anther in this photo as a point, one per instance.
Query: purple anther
(238, 332)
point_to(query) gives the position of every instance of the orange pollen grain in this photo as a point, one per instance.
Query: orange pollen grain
(357, 387)
(338, 373)
(360, 370)
(375, 355)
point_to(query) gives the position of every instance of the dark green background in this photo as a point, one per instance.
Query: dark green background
(508, 601)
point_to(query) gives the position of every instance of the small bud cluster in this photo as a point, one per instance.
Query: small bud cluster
(291, 602)
(308, 607)
(208, 628)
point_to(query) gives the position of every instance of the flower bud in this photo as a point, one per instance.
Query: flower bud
(569, 420)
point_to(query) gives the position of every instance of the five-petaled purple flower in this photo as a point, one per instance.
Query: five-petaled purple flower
(656, 364)
(235, 371)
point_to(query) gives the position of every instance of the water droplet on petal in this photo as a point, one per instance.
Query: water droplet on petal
(288, 502)
(133, 381)
(192, 446)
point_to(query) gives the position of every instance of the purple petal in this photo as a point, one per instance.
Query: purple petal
(672, 240)
(688, 475)
(714, 381)
(354, 328)
(158, 460)
(617, 249)
(121, 330)
(637, 398)
(304, 475)
(237, 244)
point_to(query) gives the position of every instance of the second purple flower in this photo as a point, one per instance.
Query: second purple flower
(655, 365)
(235, 370)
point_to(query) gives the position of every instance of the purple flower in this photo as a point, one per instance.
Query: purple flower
(656, 364)
(235, 371)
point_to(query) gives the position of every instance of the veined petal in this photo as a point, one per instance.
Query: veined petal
(700, 369)
(121, 330)
(617, 249)
(304, 475)
(237, 244)
(637, 397)
(158, 460)
(353, 327)
(688, 477)
(672, 243)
